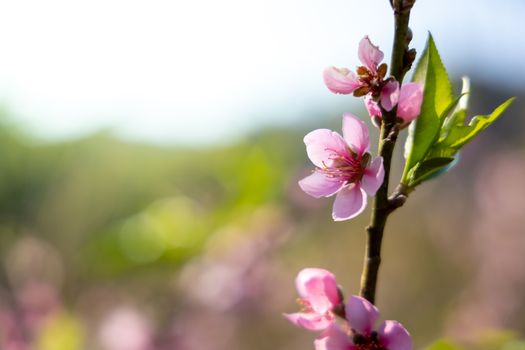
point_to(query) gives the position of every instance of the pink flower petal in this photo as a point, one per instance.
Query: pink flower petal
(319, 288)
(410, 100)
(369, 54)
(340, 80)
(334, 338)
(373, 176)
(319, 185)
(372, 107)
(390, 95)
(349, 202)
(310, 273)
(310, 321)
(361, 314)
(322, 145)
(394, 336)
(355, 133)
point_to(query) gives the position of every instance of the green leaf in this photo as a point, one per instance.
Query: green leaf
(459, 135)
(449, 120)
(437, 97)
(425, 169)
(443, 118)
(421, 172)
(451, 141)
(441, 151)
(460, 113)
(435, 138)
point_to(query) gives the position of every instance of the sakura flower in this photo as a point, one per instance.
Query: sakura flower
(319, 295)
(343, 167)
(408, 99)
(369, 80)
(360, 333)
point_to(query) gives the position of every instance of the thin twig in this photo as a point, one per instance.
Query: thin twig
(383, 205)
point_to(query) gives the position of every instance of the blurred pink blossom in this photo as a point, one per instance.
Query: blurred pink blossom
(319, 295)
(38, 303)
(493, 295)
(125, 329)
(344, 167)
(360, 335)
(11, 334)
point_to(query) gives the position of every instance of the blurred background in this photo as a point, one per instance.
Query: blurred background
(149, 159)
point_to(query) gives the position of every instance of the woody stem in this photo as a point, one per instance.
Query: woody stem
(382, 206)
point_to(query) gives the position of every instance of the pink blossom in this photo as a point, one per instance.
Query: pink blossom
(369, 79)
(343, 167)
(361, 335)
(369, 54)
(341, 80)
(409, 99)
(319, 295)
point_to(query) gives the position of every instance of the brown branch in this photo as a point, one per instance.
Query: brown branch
(383, 206)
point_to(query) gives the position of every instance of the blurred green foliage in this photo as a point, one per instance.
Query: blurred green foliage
(490, 340)
(112, 207)
(61, 332)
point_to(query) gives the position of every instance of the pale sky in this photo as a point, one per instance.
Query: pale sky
(202, 71)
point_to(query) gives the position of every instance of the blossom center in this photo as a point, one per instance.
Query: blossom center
(347, 168)
(306, 307)
(370, 342)
(371, 82)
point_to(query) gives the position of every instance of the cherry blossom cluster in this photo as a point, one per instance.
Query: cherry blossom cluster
(370, 82)
(343, 326)
(344, 166)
